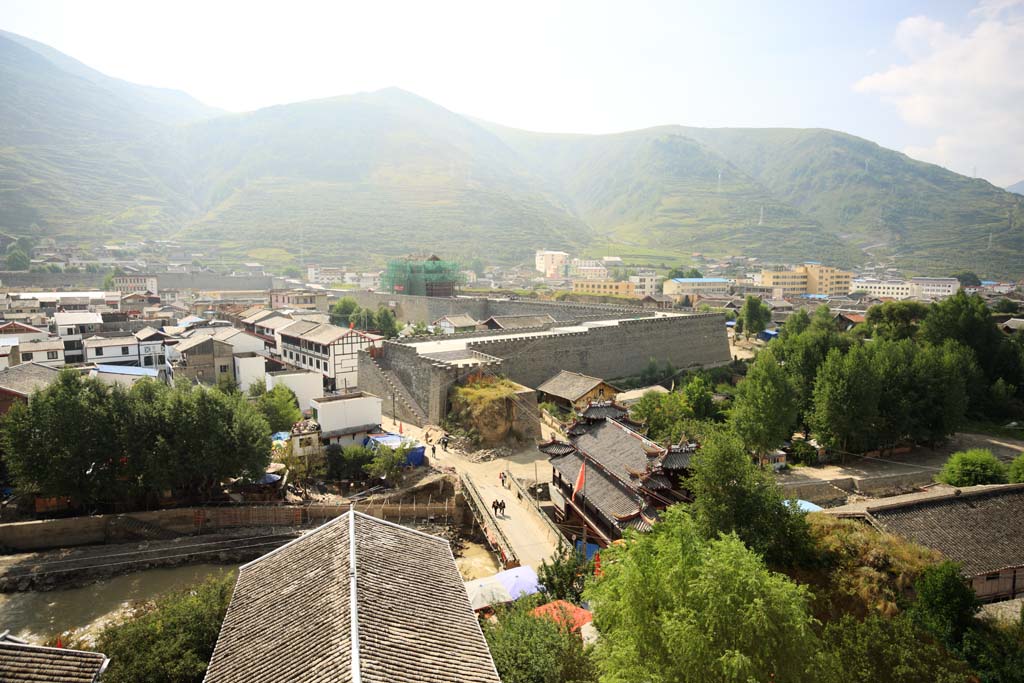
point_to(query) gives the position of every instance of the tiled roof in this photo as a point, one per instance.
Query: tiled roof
(25, 378)
(569, 385)
(24, 663)
(291, 616)
(45, 345)
(980, 530)
(613, 499)
(457, 320)
(513, 322)
(279, 323)
(597, 411)
(618, 449)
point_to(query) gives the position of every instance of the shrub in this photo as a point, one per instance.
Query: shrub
(973, 467)
(1017, 470)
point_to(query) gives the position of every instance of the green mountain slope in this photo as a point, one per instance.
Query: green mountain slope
(917, 212)
(77, 160)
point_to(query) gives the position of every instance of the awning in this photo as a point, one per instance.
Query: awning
(503, 587)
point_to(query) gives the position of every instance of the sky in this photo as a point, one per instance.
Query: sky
(940, 80)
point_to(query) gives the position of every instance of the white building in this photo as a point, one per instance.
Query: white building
(24, 332)
(324, 275)
(241, 341)
(47, 352)
(588, 269)
(327, 349)
(347, 419)
(703, 286)
(893, 289)
(551, 263)
(112, 351)
(645, 283)
(935, 287)
(72, 326)
(126, 284)
(250, 369)
(305, 385)
(125, 376)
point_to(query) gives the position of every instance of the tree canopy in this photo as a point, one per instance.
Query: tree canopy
(766, 406)
(755, 315)
(973, 467)
(280, 408)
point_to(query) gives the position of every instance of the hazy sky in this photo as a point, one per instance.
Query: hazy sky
(940, 80)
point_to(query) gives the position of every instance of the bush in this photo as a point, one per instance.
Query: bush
(973, 467)
(172, 639)
(1017, 470)
(803, 453)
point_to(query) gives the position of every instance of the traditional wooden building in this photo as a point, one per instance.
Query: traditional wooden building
(572, 391)
(620, 478)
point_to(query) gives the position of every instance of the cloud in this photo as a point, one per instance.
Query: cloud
(966, 89)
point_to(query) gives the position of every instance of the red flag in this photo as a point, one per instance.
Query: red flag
(400, 428)
(59, 644)
(597, 564)
(580, 481)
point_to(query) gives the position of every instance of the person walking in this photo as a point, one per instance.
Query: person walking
(494, 507)
(501, 507)
(433, 449)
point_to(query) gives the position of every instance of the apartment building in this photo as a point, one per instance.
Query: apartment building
(324, 275)
(126, 284)
(298, 298)
(551, 263)
(645, 283)
(807, 278)
(604, 287)
(935, 287)
(702, 286)
(918, 287)
(327, 349)
(72, 327)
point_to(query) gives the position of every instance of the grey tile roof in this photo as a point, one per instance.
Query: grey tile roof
(980, 529)
(28, 377)
(457, 320)
(613, 499)
(621, 450)
(24, 663)
(290, 617)
(569, 385)
(514, 322)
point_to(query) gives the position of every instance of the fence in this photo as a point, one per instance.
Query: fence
(495, 537)
(555, 534)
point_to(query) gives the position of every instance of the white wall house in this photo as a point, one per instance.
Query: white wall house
(306, 385)
(250, 369)
(241, 341)
(72, 326)
(347, 419)
(48, 352)
(113, 351)
(328, 349)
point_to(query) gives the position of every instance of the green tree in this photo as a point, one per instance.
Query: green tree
(766, 406)
(108, 282)
(1016, 471)
(755, 315)
(683, 272)
(1005, 305)
(565, 575)
(967, 320)
(845, 401)
(171, 640)
(385, 322)
(534, 649)
(796, 323)
(973, 467)
(342, 309)
(673, 607)
(348, 463)
(17, 260)
(945, 604)
(663, 414)
(280, 408)
(731, 495)
(700, 398)
(388, 464)
(292, 271)
(968, 279)
(896, 319)
(880, 649)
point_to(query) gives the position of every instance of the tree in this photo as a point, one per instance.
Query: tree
(765, 410)
(18, 260)
(731, 495)
(967, 320)
(662, 414)
(535, 649)
(755, 315)
(674, 607)
(1016, 471)
(280, 407)
(292, 271)
(700, 398)
(973, 467)
(845, 401)
(880, 649)
(946, 604)
(896, 319)
(385, 322)
(681, 272)
(348, 463)
(968, 279)
(387, 464)
(172, 639)
(108, 282)
(796, 323)
(564, 577)
(341, 311)
(1005, 305)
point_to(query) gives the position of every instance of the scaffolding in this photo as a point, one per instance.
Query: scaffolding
(422, 277)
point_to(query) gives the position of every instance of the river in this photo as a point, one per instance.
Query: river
(81, 613)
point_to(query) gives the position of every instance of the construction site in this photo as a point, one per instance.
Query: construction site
(422, 276)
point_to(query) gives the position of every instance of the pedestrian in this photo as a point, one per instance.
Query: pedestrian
(501, 478)
(433, 449)
(494, 507)
(501, 507)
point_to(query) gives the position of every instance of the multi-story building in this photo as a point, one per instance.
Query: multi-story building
(604, 287)
(552, 263)
(44, 352)
(645, 283)
(72, 327)
(702, 286)
(126, 284)
(298, 298)
(887, 289)
(327, 349)
(935, 287)
(588, 269)
(205, 360)
(807, 278)
(347, 419)
(112, 351)
(325, 275)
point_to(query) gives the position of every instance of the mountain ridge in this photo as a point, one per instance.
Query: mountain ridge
(366, 176)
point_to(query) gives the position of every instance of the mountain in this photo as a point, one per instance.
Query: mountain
(358, 178)
(1016, 187)
(159, 104)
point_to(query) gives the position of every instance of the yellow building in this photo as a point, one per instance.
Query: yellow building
(808, 278)
(604, 287)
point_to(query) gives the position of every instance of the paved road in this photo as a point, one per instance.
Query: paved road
(523, 526)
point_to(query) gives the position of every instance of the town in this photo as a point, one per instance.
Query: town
(509, 430)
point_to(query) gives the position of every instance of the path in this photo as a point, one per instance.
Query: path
(523, 525)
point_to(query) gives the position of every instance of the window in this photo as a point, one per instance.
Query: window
(149, 360)
(50, 355)
(223, 368)
(28, 356)
(71, 330)
(992, 577)
(160, 359)
(99, 350)
(124, 350)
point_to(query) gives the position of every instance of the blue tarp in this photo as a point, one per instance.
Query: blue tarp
(767, 335)
(592, 548)
(280, 436)
(414, 458)
(730, 323)
(805, 506)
